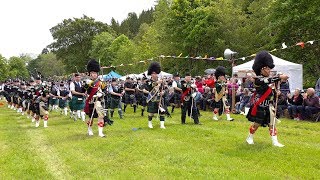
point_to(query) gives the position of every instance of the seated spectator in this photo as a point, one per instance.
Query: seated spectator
(310, 104)
(317, 88)
(244, 100)
(199, 85)
(248, 82)
(282, 103)
(294, 101)
(206, 98)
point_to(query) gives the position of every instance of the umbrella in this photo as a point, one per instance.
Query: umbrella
(210, 71)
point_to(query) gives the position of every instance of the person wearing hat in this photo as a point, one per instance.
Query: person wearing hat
(78, 96)
(188, 103)
(144, 95)
(262, 112)
(41, 99)
(63, 95)
(130, 96)
(115, 94)
(220, 100)
(155, 91)
(176, 85)
(93, 107)
(53, 100)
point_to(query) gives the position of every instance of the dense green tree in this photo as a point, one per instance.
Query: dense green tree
(4, 68)
(17, 68)
(101, 48)
(73, 40)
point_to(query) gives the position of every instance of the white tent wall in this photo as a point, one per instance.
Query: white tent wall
(293, 70)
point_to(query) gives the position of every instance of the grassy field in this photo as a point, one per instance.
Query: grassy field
(216, 149)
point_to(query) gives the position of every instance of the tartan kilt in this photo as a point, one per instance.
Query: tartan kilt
(53, 101)
(218, 104)
(130, 99)
(76, 104)
(62, 103)
(262, 117)
(114, 102)
(153, 107)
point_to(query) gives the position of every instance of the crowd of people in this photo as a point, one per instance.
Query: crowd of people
(89, 97)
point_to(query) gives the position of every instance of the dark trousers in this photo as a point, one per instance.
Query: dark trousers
(292, 110)
(187, 108)
(307, 111)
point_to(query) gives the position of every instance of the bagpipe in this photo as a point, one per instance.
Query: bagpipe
(190, 92)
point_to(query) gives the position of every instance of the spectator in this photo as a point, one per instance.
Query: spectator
(244, 100)
(282, 103)
(248, 82)
(294, 100)
(284, 87)
(310, 104)
(317, 88)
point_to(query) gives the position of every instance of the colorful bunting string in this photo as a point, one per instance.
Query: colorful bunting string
(212, 58)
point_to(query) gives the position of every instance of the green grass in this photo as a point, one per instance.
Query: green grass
(216, 149)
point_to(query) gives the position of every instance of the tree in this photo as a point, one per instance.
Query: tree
(17, 68)
(299, 24)
(101, 48)
(3, 68)
(124, 53)
(73, 40)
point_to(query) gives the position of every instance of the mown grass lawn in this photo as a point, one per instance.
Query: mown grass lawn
(216, 149)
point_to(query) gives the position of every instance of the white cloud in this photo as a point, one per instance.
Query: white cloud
(25, 24)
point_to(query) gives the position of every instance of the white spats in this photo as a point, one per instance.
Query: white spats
(162, 125)
(275, 141)
(83, 116)
(250, 139)
(90, 132)
(45, 124)
(229, 118)
(101, 132)
(37, 123)
(150, 124)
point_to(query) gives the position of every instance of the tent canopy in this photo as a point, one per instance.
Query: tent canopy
(161, 75)
(293, 70)
(111, 75)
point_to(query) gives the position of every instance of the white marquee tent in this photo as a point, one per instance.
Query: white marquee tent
(293, 70)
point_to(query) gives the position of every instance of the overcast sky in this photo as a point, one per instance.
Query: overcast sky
(25, 24)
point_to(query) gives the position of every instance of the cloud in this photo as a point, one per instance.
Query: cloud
(25, 24)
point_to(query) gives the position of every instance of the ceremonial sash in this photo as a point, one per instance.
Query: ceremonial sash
(261, 99)
(94, 90)
(184, 94)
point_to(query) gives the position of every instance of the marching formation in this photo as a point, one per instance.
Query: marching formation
(88, 97)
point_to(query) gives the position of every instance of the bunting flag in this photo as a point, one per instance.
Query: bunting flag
(212, 58)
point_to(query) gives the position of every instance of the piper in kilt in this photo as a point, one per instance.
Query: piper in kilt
(220, 101)
(63, 94)
(115, 93)
(78, 97)
(93, 106)
(129, 96)
(155, 98)
(262, 111)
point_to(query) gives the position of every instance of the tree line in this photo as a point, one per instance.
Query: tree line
(191, 27)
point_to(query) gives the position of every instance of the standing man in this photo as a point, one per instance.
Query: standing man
(115, 94)
(130, 97)
(78, 98)
(93, 107)
(188, 103)
(262, 112)
(155, 98)
(176, 85)
(220, 100)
